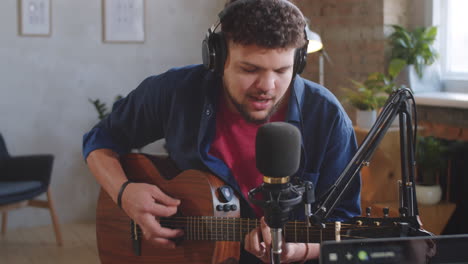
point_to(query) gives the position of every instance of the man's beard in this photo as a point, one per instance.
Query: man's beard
(242, 109)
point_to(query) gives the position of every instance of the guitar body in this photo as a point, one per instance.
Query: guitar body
(199, 197)
(211, 235)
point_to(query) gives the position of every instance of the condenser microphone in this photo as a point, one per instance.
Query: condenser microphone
(278, 151)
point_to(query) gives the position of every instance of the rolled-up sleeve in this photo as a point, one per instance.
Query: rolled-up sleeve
(98, 138)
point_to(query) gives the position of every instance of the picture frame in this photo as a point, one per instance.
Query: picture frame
(123, 21)
(34, 18)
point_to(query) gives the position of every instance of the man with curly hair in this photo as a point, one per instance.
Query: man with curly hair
(209, 115)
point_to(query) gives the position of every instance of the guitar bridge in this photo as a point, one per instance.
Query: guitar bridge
(136, 234)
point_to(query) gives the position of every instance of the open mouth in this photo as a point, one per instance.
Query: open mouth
(260, 103)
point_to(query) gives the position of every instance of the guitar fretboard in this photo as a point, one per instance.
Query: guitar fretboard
(235, 229)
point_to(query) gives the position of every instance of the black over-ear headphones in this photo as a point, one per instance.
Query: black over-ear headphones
(214, 48)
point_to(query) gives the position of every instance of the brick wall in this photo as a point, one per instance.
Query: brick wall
(354, 36)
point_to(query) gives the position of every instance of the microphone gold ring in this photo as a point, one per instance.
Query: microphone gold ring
(275, 180)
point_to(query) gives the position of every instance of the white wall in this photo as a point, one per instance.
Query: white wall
(45, 84)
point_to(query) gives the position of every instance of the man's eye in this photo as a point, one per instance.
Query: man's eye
(249, 70)
(282, 70)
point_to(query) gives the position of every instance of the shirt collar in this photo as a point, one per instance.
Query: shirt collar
(296, 100)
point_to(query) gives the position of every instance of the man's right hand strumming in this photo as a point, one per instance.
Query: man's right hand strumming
(145, 204)
(142, 202)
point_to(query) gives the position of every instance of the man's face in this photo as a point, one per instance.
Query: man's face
(256, 80)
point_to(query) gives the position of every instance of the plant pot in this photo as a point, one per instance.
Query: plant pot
(428, 194)
(430, 81)
(365, 119)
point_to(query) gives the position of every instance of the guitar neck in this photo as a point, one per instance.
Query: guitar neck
(235, 229)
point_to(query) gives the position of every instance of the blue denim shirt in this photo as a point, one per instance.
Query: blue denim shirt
(179, 105)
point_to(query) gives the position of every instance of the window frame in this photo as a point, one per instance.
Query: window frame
(452, 81)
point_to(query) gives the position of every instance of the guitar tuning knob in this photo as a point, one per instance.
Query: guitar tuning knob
(386, 211)
(368, 211)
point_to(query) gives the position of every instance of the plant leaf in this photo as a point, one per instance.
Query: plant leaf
(431, 33)
(395, 67)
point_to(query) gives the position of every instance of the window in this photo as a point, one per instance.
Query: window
(451, 18)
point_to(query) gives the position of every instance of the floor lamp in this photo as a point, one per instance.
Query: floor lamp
(315, 44)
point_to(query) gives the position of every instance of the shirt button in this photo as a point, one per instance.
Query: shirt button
(208, 112)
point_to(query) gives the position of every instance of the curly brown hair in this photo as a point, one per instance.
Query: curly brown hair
(265, 23)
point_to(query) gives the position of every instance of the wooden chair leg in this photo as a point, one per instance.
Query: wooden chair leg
(55, 222)
(4, 222)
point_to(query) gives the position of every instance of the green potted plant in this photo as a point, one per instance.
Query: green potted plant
(414, 48)
(431, 162)
(368, 96)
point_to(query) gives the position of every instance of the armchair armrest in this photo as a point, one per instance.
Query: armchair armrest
(28, 168)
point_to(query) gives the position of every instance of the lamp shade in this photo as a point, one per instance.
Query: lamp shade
(315, 42)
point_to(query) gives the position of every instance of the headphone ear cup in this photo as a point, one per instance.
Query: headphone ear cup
(208, 55)
(214, 52)
(218, 43)
(300, 60)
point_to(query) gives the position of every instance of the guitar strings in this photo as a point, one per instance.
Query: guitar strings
(228, 226)
(329, 235)
(253, 222)
(215, 218)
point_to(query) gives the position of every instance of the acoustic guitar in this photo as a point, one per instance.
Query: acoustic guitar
(211, 223)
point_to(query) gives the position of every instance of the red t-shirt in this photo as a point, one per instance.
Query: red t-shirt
(234, 143)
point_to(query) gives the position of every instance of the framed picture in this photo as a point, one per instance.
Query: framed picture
(123, 20)
(34, 17)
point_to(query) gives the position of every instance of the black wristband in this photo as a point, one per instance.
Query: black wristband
(119, 196)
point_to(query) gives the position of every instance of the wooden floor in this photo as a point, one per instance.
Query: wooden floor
(37, 245)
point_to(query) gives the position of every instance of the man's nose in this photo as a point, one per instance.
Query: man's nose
(266, 81)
